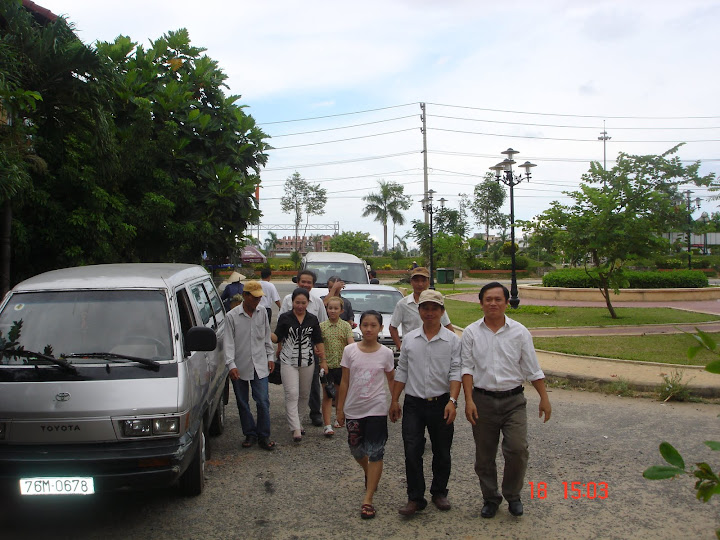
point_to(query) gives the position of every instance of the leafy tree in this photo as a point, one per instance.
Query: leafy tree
(357, 243)
(618, 214)
(420, 233)
(451, 222)
(271, 242)
(387, 204)
(448, 249)
(488, 198)
(302, 199)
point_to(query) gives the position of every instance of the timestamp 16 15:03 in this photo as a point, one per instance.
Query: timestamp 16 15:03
(572, 490)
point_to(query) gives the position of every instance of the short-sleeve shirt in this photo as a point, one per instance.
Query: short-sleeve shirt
(367, 392)
(335, 336)
(406, 314)
(298, 338)
(271, 295)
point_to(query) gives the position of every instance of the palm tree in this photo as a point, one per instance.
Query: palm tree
(271, 242)
(386, 205)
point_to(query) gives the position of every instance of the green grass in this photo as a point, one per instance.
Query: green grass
(665, 348)
(463, 313)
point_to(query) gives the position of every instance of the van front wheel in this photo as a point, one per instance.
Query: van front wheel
(192, 481)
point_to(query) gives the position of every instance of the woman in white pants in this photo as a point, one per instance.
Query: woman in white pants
(299, 337)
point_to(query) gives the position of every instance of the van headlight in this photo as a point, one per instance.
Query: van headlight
(145, 427)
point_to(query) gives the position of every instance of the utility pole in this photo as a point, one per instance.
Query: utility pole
(604, 138)
(425, 171)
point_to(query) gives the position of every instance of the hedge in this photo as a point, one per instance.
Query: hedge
(521, 263)
(676, 279)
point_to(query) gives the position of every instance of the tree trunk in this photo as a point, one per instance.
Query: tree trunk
(5, 227)
(604, 290)
(385, 238)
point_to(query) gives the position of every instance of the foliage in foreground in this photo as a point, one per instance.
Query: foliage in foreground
(708, 481)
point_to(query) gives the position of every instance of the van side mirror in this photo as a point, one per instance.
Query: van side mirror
(200, 338)
(294, 279)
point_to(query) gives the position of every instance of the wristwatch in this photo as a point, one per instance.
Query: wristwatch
(454, 401)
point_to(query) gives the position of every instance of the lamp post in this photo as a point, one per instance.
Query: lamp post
(704, 217)
(691, 205)
(504, 173)
(427, 205)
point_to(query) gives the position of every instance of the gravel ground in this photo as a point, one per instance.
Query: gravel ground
(314, 489)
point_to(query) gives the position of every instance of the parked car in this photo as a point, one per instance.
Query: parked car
(381, 298)
(115, 379)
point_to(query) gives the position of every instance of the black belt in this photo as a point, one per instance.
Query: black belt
(431, 398)
(500, 395)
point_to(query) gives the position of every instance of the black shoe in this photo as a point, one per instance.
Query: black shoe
(317, 420)
(516, 508)
(489, 509)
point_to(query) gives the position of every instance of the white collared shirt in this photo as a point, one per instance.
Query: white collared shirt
(315, 306)
(502, 360)
(247, 343)
(427, 367)
(406, 314)
(271, 295)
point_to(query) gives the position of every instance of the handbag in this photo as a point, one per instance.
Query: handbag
(330, 389)
(276, 376)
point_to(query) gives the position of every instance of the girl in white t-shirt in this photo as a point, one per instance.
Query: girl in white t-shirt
(363, 402)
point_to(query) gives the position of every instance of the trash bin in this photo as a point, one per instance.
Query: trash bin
(445, 275)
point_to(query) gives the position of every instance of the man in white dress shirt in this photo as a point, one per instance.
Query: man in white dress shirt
(406, 310)
(271, 295)
(498, 356)
(306, 279)
(429, 371)
(250, 357)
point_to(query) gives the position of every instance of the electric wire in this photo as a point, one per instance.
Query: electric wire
(342, 140)
(561, 138)
(563, 126)
(338, 114)
(343, 127)
(340, 162)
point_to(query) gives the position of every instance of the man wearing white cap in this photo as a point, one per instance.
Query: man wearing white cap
(406, 311)
(429, 370)
(250, 357)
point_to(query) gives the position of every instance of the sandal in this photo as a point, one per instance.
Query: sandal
(367, 511)
(336, 424)
(328, 431)
(266, 444)
(249, 441)
(298, 438)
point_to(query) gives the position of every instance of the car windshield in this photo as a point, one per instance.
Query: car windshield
(348, 272)
(122, 322)
(382, 301)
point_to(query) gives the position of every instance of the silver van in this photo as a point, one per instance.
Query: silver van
(111, 376)
(327, 264)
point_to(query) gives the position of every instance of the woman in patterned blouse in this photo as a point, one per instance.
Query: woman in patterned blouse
(299, 339)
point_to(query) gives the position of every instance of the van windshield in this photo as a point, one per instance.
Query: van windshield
(348, 272)
(126, 322)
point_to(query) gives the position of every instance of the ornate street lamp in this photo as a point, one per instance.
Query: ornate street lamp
(504, 173)
(427, 205)
(704, 217)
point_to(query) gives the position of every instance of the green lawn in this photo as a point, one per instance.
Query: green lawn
(665, 348)
(463, 313)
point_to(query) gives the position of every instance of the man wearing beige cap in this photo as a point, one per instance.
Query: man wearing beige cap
(406, 310)
(250, 357)
(429, 370)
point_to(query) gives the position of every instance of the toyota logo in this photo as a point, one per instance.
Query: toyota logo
(62, 396)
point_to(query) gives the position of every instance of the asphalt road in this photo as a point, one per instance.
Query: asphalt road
(314, 490)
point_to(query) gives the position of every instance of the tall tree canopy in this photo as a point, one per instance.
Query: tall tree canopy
(618, 214)
(302, 199)
(357, 243)
(488, 198)
(387, 204)
(143, 157)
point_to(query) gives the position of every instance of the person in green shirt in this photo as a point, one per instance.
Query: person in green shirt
(336, 335)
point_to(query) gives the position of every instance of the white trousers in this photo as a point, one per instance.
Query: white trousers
(296, 384)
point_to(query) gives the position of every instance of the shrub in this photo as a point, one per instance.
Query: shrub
(673, 388)
(387, 267)
(677, 279)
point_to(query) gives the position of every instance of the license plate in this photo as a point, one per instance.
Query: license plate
(65, 485)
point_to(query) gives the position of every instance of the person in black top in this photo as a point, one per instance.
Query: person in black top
(299, 339)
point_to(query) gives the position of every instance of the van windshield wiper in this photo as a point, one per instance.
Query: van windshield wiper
(152, 364)
(48, 358)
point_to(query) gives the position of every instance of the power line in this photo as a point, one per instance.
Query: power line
(336, 115)
(563, 126)
(343, 127)
(269, 183)
(370, 158)
(342, 140)
(562, 138)
(605, 116)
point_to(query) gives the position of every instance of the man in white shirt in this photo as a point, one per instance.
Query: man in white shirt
(406, 310)
(271, 294)
(250, 357)
(429, 370)
(306, 279)
(498, 356)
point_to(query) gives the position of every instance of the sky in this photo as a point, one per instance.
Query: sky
(338, 86)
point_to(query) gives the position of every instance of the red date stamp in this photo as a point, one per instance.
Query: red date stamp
(572, 490)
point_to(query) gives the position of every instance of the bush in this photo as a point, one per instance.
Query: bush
(677, 279)
(521, 263)
(387, 267)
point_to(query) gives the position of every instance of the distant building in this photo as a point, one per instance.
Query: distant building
(286, 244)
